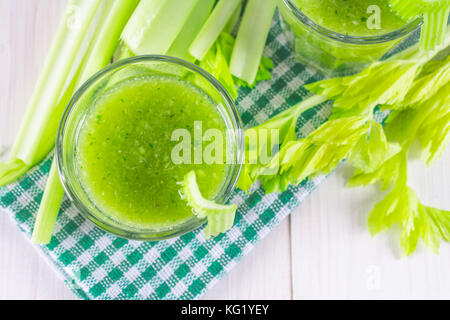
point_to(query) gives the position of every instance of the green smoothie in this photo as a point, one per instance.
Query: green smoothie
(124, 149)
(351, 17)
(362, 31)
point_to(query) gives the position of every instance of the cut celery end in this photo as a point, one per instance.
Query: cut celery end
(220, 217)
(156, 24)
(140, 22)
(198, 17)
(12, 170)
(211, 30)
(251, 39)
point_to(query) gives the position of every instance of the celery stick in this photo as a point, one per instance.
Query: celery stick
(434, 28)
(180, 47)
(52, 80)
(155, 25)
(234, 20)
(435, 17)
(98, 55)
(213, 27)
(48, 211)
(251, 39)
(106, 40)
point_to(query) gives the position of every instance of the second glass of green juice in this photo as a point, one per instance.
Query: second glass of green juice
(340, 37)
(133, 132)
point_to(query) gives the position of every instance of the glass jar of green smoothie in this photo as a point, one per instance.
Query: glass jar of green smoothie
(340, 37)
(130, 135)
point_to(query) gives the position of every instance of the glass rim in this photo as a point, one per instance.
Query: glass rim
(191, 224)
(360, 40)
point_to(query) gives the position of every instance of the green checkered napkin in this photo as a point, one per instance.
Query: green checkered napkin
(98, 265)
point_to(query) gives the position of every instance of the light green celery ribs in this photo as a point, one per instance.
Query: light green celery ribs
(213, 27)
(37, 133)
(435, 18)
(220, 217)
(251, 39)
(49, 208)
(155, 25)
(199, 15)
(414, 88)
(99, 53)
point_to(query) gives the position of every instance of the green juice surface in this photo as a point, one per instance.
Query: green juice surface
(124, 151)
(350, 17)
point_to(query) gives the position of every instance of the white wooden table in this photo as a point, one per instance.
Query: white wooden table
(323, 250)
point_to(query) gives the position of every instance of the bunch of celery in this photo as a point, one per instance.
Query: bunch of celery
(172, 27)
(414, 88)
(54, 89)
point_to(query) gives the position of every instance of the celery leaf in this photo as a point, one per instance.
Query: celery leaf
(263, 141)
(382, 83)
(319, 153)
(371, 152)
(401, 206)
(434, 132)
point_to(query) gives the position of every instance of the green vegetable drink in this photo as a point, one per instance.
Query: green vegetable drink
(125, 145)
(352, 17)
(342, 36)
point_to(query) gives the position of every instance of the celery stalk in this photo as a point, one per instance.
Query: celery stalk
(213, 27)
(107, 37)
(51, 82)
(434, 28)
(234, 20)
(98, 55)
(49, 208)
(435, 17)
(251, 39)
(180, 47)
(155, 25)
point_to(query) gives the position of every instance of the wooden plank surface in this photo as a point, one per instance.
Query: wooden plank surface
(322, 251)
